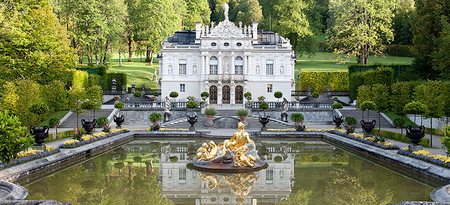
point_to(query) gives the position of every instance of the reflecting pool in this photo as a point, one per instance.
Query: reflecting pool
(299, 172)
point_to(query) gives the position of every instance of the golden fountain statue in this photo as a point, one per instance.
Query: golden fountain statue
(237, 154)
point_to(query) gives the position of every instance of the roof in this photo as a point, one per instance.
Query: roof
(188, 38)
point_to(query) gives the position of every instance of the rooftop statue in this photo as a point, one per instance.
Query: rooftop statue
(234, 155)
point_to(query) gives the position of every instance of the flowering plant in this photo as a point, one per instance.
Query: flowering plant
(86, 139)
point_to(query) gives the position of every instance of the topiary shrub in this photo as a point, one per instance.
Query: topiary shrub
(415, 107)
(297, 117)
(154, 118)
(248, 95)
(261, 99)
(242, 112)
(263, 106)
(278, 94)
(337, 105)
(315, 94)
(192, 104)
(119, 105)
(173, 94)
(102, 121)
(204, 95)
(137, 93)
(350, 120)
(13, 137)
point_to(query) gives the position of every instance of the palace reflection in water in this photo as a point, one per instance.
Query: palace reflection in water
(269, 186)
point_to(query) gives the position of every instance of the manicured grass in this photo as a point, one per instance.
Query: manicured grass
(58, 114)
(392, 116)
(137, 72)
(338, 62)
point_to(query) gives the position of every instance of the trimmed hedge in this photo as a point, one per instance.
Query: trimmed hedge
(399, 50)
(121, 80)
(101, 70)
(399, 137)
(319, 81)
(382, 75)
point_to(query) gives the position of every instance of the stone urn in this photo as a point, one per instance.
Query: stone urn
(192, 119)
(119, 120)
(264, 120)
(209, 121)
(368, 126)
(415, 134)
(338, 120)
(39, 134)
(88, 126)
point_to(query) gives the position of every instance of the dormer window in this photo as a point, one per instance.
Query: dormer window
(226, 44)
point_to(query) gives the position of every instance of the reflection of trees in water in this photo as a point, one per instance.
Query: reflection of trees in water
(345, 189)
(101, 181)
(297, 198)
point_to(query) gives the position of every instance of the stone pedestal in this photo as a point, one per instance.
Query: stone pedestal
(413, 148)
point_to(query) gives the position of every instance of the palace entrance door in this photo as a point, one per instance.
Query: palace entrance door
(239, 96)
(213, 94)
(226, 94)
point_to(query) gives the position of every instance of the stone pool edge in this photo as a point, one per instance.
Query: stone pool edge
(14, 173)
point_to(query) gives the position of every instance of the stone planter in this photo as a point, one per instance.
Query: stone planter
(264, 120)
(119, 120)
(88, 126)
(192, 119)
(338, 120)
(39, 134)
(368, 126)
(349, 129)
(415, 134)
(299, 127)
(209, 121)
(155, 126)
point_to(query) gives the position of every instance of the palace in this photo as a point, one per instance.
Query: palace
(226, 61)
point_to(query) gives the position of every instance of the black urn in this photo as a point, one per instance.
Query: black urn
(415, 134)
(119, 120)
(192, 119)
(39, 134)
(338, 120)
(368, 126)
(264, 120)
(88, 126)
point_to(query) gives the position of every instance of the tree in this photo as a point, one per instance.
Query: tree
(34, 44)
(360, 27)
(401, 95)
(13, 137)
(76, 97)
(415, 107)
(441, 55)
(56, 96)
(427, 27)
(197, 11)
(95, 95)
(402, 22)
(292, 21)
(249, 11)
(54, 123)
(367, 106)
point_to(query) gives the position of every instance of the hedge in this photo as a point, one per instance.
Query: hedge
(101, 70)
(319, 81)
(399, 137)
(382, 75)
(398, 69)
(121, 80)
(399, 50)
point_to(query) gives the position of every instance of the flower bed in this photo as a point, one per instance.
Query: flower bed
(282, 130)
(29, 155)
(366, 140)
(73, 143)
(425, 155)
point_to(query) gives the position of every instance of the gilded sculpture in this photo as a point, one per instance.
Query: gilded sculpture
(239, 149)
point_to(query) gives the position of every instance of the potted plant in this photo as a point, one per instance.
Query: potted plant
(242, 113)
(104, 123)
(88, 126)
(350, 123)
(315, 94)
(54, 123)
(278, 95)
(298, 119)
(154, 119)
(137, 94)
(338, 120)
(210, 112)
(191, 103)
(367, 126)
(39, 133)
(119, 119)
(263, 119)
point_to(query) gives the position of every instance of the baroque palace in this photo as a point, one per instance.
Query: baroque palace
(226, 61)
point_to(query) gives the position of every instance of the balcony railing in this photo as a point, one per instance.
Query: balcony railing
(226, 77)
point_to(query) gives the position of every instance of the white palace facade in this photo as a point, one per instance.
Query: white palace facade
(226, 61)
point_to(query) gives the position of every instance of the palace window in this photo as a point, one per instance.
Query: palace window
(213, 69)
(213, 44)
(238, 66)
(182, 88)
(239, 44)
(226, 44)
(269, 174)
(182, 174)
(182, 67)
(269, 88)
(269, 67)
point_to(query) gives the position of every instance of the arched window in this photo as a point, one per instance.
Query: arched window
(213, 70)
(238, 66)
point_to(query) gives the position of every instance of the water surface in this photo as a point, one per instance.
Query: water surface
(151, 172)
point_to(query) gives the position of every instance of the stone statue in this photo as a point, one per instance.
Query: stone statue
(225, 11)
(285, 105)
(240, 149)
(168, 104)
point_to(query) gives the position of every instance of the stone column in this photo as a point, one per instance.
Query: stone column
(219, 63)
(232, 94)
(219, 92)
(245, 64)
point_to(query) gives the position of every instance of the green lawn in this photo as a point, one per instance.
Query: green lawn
(58, 114)
(141, 73)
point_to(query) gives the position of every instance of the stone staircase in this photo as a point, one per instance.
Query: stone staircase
(372, 116)
(71, 122)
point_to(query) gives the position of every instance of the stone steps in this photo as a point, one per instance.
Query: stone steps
(372, 116)
(71, 122)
